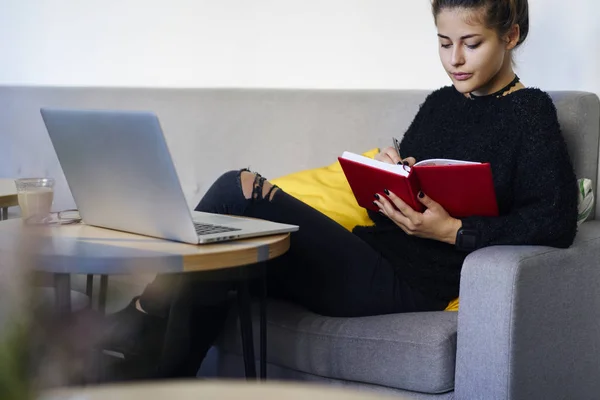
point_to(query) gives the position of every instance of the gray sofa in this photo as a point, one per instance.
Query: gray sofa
(529, 319)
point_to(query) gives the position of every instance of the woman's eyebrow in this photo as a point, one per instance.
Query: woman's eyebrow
(462, 37)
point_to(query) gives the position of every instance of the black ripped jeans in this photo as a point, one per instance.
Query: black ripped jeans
(328, 270)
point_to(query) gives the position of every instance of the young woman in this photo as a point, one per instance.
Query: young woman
(408, 261)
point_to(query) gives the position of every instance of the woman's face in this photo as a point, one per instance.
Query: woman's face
(473, 56)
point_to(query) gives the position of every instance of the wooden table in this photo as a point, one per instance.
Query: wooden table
(82, 249)
(8, 197)
(213, 390)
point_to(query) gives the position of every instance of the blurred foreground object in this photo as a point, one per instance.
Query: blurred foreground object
(39, 348)
(213, 390)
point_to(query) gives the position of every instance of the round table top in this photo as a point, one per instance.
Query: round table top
(213, 390)
(85, 249)
(8, 193)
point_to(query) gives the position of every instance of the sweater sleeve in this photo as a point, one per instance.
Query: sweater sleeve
(544, 207)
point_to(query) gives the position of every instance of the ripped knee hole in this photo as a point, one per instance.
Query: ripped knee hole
(256, 187)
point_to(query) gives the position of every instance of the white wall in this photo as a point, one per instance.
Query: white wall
(271, 43)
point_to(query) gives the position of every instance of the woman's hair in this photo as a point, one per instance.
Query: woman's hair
(500, 15)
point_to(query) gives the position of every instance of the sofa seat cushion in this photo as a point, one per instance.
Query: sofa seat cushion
(412, 351)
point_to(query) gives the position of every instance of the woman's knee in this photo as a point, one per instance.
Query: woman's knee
(223, 196)
(252, 185)
(256, 187)
(230, 178)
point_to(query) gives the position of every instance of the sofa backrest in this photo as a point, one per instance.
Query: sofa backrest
(579, 118)
(272, 131)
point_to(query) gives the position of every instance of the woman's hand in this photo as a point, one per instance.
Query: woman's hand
(435, 223)
(390, 155)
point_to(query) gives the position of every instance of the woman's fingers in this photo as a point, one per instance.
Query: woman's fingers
(411, 161)
(401, 206)
(388, 209)
(389, 155)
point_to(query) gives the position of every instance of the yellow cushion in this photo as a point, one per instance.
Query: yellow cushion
(453, 305)
(327, 190)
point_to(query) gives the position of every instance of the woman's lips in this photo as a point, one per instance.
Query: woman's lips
(460, 76)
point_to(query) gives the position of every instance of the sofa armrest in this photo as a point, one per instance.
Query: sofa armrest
(529, 321)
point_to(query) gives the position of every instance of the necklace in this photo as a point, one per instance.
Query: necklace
(500, 92)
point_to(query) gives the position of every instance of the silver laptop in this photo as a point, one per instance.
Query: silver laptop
(122, 177)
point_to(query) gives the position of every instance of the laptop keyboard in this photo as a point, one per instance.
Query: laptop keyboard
(207, 229)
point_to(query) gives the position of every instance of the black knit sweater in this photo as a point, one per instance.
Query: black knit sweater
(535, 185)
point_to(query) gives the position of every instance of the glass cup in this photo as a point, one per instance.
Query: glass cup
(35, 198)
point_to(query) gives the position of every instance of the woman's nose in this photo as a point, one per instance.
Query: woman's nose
(457, 56)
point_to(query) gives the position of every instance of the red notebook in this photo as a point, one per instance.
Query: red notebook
(463, 188)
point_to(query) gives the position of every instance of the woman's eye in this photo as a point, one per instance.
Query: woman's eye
(446, 46)
(473, 46)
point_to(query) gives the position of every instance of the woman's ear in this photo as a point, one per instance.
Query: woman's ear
(512, 37)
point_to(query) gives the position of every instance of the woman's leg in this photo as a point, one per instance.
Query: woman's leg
(327, 269)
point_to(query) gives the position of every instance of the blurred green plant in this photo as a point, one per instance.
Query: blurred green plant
(15, 374)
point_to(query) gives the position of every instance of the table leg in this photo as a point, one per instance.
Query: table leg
(263, 322)
(89, 287)
(245, 313)
(62, 291)
(3, 213)
(103, 293)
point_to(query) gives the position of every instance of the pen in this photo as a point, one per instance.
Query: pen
(397, 146)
